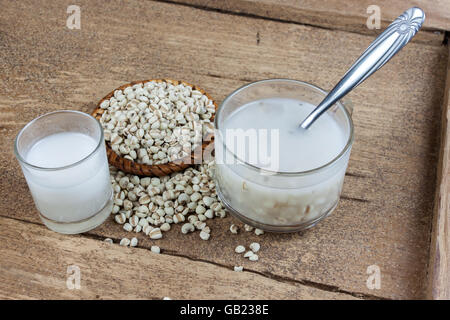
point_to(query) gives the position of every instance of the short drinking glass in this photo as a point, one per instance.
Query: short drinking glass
(63, 158)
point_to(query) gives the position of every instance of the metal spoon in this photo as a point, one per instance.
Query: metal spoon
(385, 46)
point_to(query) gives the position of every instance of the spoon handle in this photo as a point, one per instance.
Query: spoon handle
(385, 46)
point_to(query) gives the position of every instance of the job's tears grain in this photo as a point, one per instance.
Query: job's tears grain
(156, 122)
(151, 205)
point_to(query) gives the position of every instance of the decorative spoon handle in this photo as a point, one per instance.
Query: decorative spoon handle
(385, 46)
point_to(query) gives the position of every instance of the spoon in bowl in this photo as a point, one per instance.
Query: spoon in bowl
(385, 46)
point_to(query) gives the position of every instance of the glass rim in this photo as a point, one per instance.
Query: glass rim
(23, 161)
(284, 173)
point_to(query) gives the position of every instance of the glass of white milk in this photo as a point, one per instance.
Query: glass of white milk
(63, 159)
(271, 173)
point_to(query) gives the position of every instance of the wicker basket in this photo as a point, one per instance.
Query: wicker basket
(158, 169)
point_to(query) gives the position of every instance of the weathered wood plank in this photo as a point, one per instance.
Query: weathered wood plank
(385, 215)
(37, 264)
(439, 273)
(339, 15)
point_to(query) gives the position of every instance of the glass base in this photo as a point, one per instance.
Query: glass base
(81, 226)
(270, 227)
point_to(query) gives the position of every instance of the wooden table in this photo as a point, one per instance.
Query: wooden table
(394, 209)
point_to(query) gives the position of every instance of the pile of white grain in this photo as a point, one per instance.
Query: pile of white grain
(156, 123)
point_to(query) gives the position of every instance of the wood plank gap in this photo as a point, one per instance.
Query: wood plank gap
(86, 234)
(218, 76)
(247, 15)
(354, 199)
(256, 16)
(21, 220)
(308, 283)
(439, 262)
(355, 175)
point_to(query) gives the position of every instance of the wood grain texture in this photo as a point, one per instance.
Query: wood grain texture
(337, 14)
(109, 271)
(384, 217)
(439, 273)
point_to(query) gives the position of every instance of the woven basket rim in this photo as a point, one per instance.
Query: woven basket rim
(133, 167)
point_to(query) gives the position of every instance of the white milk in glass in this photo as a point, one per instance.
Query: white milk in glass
(288, 198)
(69, 194)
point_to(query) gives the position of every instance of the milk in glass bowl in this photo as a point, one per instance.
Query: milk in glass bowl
(269, 172)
